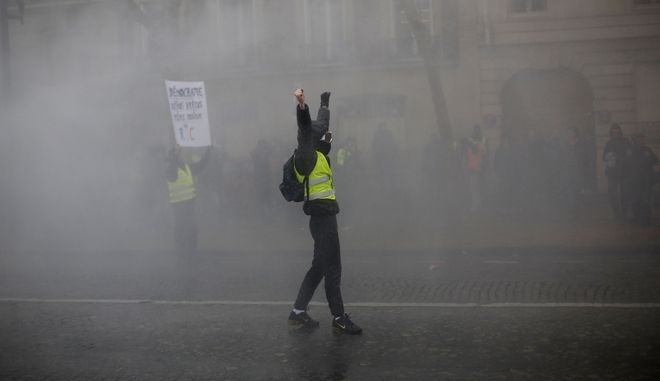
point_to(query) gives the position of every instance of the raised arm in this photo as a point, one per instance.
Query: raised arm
(322, 122)
(302, 111)
(309, 132)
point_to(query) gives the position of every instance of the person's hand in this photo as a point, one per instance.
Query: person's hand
(300, 96)
(325, 99)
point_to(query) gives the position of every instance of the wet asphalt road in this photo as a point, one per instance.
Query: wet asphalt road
(546, 313)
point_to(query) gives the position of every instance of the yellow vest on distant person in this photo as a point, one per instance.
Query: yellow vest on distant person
(183, 188)
(320, 180)
(342, 156)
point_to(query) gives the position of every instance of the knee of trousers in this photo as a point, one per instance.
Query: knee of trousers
(333, 271)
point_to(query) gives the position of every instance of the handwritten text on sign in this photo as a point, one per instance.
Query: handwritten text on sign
(189, 113)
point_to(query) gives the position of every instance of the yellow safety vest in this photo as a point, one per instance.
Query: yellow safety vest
(320, 180)
(183, 189)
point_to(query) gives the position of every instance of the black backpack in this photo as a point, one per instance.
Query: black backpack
(291, 188)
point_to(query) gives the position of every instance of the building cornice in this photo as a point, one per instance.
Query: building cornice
(575, 29)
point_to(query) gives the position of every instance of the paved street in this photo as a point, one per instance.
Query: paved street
(223, 342)
(536, 313)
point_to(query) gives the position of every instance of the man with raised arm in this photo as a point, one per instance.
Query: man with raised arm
(312, 161)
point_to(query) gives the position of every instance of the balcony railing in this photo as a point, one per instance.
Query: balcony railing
(340, 53)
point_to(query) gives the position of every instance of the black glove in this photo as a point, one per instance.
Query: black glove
(325, 99)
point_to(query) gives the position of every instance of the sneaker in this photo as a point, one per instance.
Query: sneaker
(344, 324)
(302, 320)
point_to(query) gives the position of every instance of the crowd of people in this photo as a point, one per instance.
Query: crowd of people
(528, 176)
(538, 175)
(629, 166)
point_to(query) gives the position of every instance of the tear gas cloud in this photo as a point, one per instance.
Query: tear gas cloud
(90, 124)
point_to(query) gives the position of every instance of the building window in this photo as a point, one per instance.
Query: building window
(279, 41)
(528, 6)
(324, 30)
(405, 44)
(368, 45)
(237, 30)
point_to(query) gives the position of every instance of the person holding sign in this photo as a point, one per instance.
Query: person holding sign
(188, 108)
(312, 161)
(181, 184)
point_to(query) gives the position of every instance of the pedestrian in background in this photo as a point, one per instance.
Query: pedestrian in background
(615, 148)
(571, 178)
(348, 171)
(506, 169)
(181, 185)
(384, 171)
(474, 160)
(638, 179)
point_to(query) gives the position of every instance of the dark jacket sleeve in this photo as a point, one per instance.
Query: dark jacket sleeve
(309, 132)
(201, 164)
(172, 171)
(653, 158)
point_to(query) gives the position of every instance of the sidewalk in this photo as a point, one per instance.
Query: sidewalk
(594, 227)
(401, 230)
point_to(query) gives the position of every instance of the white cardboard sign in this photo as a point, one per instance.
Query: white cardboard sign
(190, 117)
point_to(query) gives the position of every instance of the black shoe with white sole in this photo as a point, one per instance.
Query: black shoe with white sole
(302, 320)
(344, 324)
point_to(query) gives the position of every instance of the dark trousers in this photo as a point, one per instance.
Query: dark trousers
(326, 263)
(185, 227)
(615, 194)
(640, 203)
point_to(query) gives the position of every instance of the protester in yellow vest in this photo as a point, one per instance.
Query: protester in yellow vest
(348, 174)
(181, 184)
(320, 204)
(343, 156)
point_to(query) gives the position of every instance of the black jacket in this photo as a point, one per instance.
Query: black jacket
(638, 167)
(617, 148)
(309, 134)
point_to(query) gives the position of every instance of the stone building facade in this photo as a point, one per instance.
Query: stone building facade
(548, 65)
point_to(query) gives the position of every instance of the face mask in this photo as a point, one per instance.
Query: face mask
(323, 147)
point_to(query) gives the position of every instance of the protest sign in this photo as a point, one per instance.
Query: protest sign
(190, 118)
